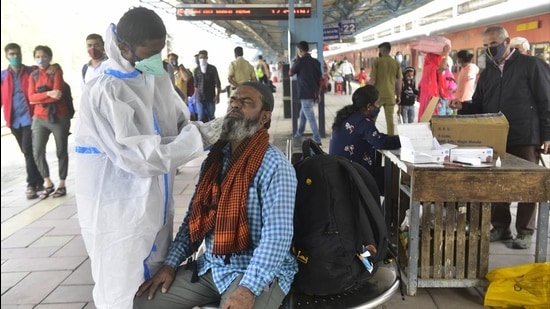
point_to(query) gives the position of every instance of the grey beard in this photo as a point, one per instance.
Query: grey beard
(234, 129)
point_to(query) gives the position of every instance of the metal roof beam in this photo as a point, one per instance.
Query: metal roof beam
(393, 4)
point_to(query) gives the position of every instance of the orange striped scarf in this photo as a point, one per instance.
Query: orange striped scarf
(223, 206)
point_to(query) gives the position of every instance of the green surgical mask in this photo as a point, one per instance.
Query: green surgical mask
(15, 61)
(152, 65)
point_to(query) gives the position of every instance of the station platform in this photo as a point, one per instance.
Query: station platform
(45, 264)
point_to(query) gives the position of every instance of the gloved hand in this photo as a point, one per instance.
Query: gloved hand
(210, 131)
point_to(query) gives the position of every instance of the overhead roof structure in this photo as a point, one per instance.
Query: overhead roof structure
(269, 35)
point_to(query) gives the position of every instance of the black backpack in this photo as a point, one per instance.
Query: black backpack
(337, 217)
(84, 70)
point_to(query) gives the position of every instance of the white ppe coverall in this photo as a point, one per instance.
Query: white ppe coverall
(132, 132)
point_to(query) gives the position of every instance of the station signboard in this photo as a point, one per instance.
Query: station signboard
(347, 26)
(331, 34)
(240, 12)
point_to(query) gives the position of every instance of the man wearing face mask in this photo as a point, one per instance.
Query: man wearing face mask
(247, 261)
(18, 113)
(51, 117)
(132, 132)
(207, 88)
(95, 67)
(183, 78)
(518, 86)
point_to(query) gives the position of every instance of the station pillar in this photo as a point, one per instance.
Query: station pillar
(287, 106)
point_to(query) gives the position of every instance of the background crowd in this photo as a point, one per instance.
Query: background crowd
(133, 131)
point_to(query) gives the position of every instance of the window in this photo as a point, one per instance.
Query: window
(541, 50)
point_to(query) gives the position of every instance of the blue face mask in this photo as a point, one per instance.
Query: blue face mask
(496, 53)
(152, 65)
(43, 62)
(15, 61)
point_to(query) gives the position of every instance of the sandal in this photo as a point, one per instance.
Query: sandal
(47, 191)
(61, 191)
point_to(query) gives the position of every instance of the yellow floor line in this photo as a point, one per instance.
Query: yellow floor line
(29, 215)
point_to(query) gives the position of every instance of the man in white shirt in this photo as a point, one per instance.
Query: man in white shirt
(348, 72)
(96, 49)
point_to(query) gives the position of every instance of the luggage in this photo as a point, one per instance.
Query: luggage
(340, 234)
(431, 44)
(338, 87)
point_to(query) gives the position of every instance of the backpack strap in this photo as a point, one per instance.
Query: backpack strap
(34, 75)
(84, 69)
(374, 218)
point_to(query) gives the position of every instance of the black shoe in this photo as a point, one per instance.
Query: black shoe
(500, 233)
(31, 193)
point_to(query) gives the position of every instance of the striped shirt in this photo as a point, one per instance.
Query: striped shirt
(270, 210)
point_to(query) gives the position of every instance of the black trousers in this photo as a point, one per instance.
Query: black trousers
(525, 216)
(263, 79)
(347, 83)
(23, 136)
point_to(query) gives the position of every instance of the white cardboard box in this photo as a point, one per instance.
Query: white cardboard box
(418, 144)
(485, 154)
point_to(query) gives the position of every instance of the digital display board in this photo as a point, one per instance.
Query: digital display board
(240, 12)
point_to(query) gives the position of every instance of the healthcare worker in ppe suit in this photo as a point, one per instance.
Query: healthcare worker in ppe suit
(132, 132)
